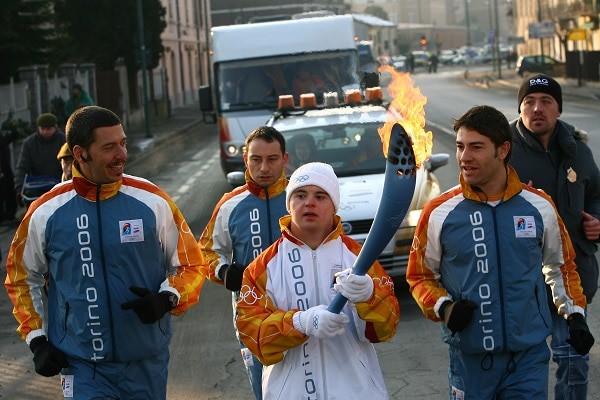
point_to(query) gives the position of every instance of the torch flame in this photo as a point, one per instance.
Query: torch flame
(408, 109)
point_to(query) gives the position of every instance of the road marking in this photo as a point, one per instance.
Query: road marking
(440, 127)
(200, 168)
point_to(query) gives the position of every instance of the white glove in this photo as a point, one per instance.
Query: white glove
(356, 288)
(320, 323)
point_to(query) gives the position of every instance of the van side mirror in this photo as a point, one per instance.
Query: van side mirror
(236, 178)
(436, 161)
(369, 79)
(206, 105)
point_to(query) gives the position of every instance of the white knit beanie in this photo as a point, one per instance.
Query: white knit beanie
(318, 174)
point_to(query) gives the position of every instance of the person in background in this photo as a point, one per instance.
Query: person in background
(303, 150)
(410, 62)
(79, 98)
(552, 155)
(8, 199)
(369, 148)
(306, 81)
(511, 58)
(244, 223)
(308, 351)
(38, 153)
(119, 259)
(433, 63)
(66, 162)
(480, 258)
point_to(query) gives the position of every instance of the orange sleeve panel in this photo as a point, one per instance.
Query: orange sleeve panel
(268, 332)
(21, 287)
(206, 242)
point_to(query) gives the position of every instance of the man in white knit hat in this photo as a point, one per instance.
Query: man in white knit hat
(282, 309)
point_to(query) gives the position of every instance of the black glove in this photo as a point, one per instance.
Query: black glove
(580, 337)
(457, 315)
(232, 276)
(48, 360)
(150, 307)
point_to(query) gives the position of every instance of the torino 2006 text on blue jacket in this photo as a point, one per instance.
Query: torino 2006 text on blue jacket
(93, 242)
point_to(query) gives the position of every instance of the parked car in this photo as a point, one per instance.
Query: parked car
(341, 136)
(399, 63)
(446, 56)
(461, 59)
(483, 56)
(421, 58)
(527, 65)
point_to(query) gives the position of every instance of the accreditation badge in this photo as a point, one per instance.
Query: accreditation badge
(457, 394)
(131, 230)
(66, 382)
(571, 175)
(247, 356)
(524, 226)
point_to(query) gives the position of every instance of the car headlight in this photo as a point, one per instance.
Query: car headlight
(231, 150)
(411, 219)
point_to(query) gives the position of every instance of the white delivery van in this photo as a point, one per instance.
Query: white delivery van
(252, 64)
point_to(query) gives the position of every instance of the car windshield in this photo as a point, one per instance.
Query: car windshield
(352, 149)
(257, 83)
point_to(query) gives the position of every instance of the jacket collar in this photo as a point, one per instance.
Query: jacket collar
(89, 189)
(564, 137)
(513, 187)
(274, 190)
(285, 223)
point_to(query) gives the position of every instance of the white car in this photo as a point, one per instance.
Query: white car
(446, 57)
(346, 137)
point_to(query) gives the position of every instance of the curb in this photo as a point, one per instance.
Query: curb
(485, 80)
(145, 148)
(141, 149)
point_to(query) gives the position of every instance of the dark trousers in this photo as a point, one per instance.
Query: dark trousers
(8, 202)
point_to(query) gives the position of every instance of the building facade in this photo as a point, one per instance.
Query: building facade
(186, 53)
(567, 30)
(230, 12)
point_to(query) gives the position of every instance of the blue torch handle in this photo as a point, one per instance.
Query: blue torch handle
(398, 190)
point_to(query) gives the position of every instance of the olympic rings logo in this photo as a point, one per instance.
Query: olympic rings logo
(416, 244)
(249, 296)
(385, 281)
(302, 178)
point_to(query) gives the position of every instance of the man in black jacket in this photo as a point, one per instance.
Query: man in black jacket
(552, 155)
(38, 153)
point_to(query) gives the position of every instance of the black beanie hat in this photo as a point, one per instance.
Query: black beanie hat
(47, 120)
(540, 83)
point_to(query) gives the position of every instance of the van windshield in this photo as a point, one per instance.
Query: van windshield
(256, 83)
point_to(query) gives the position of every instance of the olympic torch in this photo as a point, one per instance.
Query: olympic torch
(398, 189)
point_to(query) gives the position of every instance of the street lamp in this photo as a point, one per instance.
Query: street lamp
(495, 56)
(140, 18)
(468, 22)
(496, 32)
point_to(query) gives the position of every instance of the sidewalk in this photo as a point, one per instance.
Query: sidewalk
(141, 148)
(510, 79)
(182, 121)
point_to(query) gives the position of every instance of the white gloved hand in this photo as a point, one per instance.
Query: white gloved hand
(320, 323)
(356, 288)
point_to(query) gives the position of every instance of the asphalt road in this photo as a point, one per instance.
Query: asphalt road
(205, 362)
